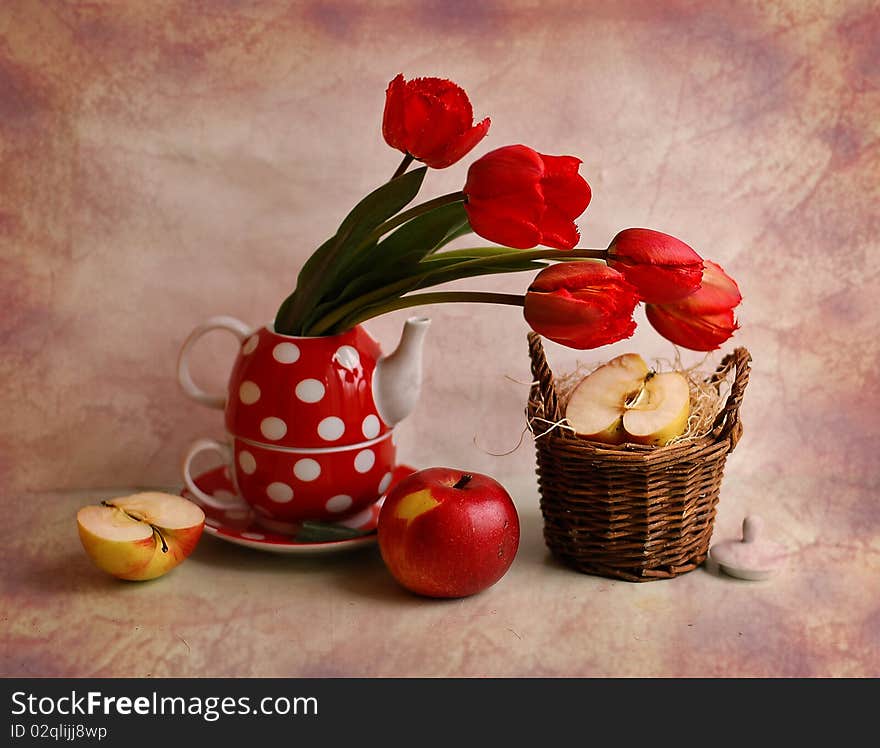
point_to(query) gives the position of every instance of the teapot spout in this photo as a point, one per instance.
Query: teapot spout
(397, 378)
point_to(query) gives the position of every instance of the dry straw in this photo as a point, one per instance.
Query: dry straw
(631, 511)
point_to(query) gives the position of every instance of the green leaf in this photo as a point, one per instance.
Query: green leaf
(453, 235)
(398, 255)
(423, 234)
(397, 284)
(323, 532)
(322, 269)
(381, 204)
(309, 269)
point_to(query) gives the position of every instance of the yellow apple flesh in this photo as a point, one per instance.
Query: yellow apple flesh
(624, 401)
(596, 406)
(141, 536)
(661, 410)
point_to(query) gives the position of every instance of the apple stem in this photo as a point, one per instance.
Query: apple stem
(161, 537)
(463, 481)
(156, 530)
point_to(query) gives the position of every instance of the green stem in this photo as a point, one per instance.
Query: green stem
(440, 297)
(560, 255)
(340, 313)
(404, 165)
(347, 309)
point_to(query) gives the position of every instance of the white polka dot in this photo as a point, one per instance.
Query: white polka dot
(384, 483)
(365, 460)
(236, 514)
(253, 536)
(247, 462)
(280, 493)
(286, 353)
(310, 390)
(249, 393)
(347, 357)
(306, 469)
(250, 345)
(339, 503)
(331, 428)
(273, 428)
(227, 497)
(370, 427)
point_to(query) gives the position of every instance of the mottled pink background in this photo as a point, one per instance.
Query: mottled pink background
(163, 162)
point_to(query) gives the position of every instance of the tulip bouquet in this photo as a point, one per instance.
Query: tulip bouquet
(386, 252)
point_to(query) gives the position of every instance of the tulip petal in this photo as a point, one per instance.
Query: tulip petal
(659, 284)
(514, 183)
(563, 186)
(458, 148)
(581, 305)
(698, 333)
(416, 120)
(662, 267)
(560, 166)
(573, 323)
(570, 194)
(506, 227)
(392, 119)
(438, 131)
(507, 170)
(557, 229)
(431, 119)
(584, 274)
(525, 204)
(451, 95)
(717, 293)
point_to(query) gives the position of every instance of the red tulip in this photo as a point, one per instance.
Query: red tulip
(431, 119)
(520, 198)
(663, 268)
(581, 305)
(703, 320)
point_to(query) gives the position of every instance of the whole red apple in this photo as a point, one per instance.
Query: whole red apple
(448, 533)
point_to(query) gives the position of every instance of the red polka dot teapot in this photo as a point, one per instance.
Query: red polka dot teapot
(309, 420)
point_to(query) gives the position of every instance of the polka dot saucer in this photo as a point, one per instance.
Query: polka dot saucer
(237, 523)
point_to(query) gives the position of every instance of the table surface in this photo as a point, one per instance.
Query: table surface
(233, 611)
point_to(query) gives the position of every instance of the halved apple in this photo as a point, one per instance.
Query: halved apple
(624, 400)
(141, 536)
(596, 406)
(660, 411)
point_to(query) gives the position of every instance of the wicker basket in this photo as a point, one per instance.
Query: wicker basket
(630, 512)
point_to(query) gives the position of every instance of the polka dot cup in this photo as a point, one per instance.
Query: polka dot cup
(286, 486)
(309, 419)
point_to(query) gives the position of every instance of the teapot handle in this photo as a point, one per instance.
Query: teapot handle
(237, 328)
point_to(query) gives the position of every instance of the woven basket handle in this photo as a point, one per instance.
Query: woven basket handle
(727, 423)
(543, 400)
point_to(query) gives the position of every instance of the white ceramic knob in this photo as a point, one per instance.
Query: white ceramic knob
(753, 557)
